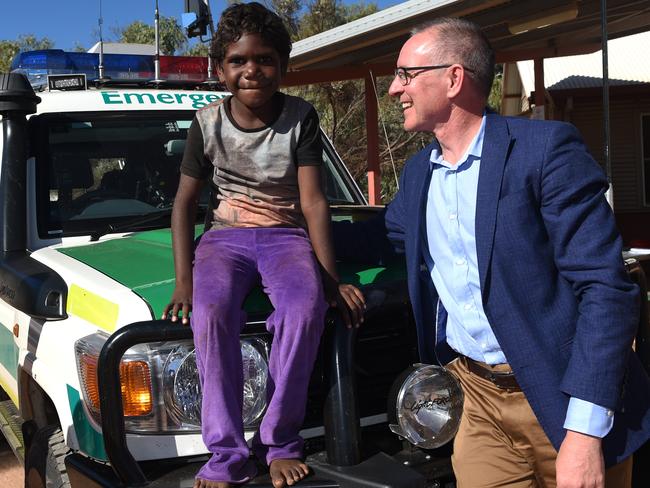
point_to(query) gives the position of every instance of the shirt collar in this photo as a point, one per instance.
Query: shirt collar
(473, 152)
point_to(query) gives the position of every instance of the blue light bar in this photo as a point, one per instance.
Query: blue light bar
(36, 65)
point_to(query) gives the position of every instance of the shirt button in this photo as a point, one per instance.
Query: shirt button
(484, 345)
(452, 216)
(610, 413)
(468, 306)
(460, 262)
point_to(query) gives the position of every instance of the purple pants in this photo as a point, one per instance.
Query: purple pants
(227, 264)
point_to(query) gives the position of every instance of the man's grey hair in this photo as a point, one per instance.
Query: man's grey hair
(463, 42)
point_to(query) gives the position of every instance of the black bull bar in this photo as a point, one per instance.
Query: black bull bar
(343, 467)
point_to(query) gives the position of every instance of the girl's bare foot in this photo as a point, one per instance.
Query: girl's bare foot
(287, 472)
(199, 483)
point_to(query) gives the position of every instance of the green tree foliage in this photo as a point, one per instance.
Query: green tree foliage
(172, 37)
(321, 15)
(289, 11)
(201, 49)
(28, 42)
(79, 48)
(357, 10)
(8, 49)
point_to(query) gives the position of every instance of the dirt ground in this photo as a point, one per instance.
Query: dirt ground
(11, 471)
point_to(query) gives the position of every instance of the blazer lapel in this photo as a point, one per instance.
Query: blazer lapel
(420, 191)
(496, 144)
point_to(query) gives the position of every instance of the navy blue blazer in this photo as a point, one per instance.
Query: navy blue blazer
(552, 276)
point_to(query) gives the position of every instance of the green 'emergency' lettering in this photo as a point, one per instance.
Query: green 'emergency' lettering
(198, 100)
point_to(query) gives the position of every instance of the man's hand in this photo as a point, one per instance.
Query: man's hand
(180, 305)
(350, 302)
(580, 463)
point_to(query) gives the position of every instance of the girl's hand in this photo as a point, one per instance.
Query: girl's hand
(180, 305)
(351, 304)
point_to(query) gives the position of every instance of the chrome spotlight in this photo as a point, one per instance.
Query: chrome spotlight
(428, 407)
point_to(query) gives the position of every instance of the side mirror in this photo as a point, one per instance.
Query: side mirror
(196, 18)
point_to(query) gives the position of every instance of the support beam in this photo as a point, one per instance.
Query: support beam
(512, 55)
(540, 89)
(372, 134)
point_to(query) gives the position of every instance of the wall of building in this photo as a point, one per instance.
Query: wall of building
(585, 112)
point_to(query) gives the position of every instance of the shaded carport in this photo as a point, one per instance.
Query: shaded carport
(518, 30)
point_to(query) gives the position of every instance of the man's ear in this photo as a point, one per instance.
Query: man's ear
(456, 79)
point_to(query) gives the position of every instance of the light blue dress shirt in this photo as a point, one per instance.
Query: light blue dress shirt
(452, 261)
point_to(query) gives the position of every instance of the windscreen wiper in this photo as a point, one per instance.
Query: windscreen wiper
(134, 222)
(341, 201)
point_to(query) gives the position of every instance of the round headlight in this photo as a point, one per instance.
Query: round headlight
(428, 408)
(183, 389)
(255, 376)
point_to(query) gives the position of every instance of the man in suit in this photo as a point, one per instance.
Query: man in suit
(515, 276)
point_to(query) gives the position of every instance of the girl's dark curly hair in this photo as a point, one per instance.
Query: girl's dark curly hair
(251, 18)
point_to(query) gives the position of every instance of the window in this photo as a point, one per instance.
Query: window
(122, 169)
(99, 169)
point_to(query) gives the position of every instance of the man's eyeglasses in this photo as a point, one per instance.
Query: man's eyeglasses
(405, 77)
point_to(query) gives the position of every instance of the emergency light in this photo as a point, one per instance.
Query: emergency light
(134, 68)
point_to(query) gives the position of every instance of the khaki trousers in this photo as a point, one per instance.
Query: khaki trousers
(500, 443)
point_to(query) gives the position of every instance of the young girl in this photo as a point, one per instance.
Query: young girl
(262, 150)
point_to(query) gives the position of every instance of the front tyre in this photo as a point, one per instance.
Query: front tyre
(44, 463)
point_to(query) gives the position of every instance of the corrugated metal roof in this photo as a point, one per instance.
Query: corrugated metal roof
(628, 64)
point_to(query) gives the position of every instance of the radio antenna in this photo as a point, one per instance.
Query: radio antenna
(101, 44)
(156, 57)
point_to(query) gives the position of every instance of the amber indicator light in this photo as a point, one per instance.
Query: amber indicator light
(135, 379)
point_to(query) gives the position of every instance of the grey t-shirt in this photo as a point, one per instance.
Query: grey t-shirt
(254, 170)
